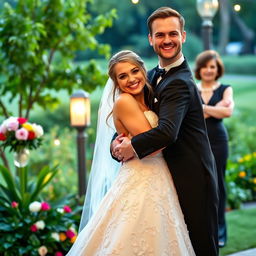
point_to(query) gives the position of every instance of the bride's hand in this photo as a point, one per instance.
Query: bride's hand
(116, 142)
(124, 151)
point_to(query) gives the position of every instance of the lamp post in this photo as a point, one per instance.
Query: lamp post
(207, 9)
(80, 119)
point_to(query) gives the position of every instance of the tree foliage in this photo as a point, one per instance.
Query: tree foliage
(38, 43)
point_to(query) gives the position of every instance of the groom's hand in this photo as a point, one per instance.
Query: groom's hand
(124, 151)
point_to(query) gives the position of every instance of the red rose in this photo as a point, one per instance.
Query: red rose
(2, 136)
(31, 135)
(45, 206)
(58, 254)
(14, 204)
(22, 120)
(67, 209)
(33, 228)
(70, 233)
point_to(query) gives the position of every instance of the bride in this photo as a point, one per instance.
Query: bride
(140, 214)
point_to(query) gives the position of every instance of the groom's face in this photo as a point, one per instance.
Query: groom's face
(167, 39)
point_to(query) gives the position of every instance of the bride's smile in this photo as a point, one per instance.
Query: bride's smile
(130, 78)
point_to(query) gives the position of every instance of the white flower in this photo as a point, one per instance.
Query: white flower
(55, 236)
(35, 206)
(60, 210)
(42, 250)
(40, 224)
(38, 129)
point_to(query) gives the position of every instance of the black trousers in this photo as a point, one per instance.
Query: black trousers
(220, 152)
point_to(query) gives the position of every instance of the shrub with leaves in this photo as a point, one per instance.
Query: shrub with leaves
(28, 224)
(39, 40)
(241, 180)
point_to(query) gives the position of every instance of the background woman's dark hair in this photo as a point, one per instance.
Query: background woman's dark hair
(203, 58)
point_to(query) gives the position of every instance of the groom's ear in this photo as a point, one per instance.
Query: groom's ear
(150, 39)
(184, 36)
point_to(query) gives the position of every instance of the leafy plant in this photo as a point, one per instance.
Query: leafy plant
(241, 180)
(38, 43)
(30, 227)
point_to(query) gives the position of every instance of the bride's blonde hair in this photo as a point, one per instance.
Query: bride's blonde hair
(131, 57)
(126, 56)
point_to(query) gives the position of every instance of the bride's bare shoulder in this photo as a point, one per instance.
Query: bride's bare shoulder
(125, 101)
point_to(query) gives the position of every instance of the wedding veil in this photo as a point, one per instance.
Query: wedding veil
(104, 168)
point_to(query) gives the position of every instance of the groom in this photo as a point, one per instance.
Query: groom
(181, 132)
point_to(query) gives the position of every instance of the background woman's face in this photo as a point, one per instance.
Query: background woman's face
(209, 72)
(129, 78)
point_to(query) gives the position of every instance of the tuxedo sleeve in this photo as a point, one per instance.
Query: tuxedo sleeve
(174, 100)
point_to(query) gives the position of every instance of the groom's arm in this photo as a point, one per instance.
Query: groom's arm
(174, 101)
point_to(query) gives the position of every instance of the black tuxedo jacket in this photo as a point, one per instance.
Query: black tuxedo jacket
(181, 130)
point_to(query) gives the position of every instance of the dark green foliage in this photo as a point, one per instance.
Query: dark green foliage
(245, 65)
(38, 42)
(17, 218)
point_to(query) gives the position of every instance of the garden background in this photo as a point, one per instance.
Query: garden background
(49, 49)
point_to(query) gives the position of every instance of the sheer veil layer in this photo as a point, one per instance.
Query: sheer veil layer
(104, 168)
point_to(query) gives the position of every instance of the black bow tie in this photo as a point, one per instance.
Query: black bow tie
(159, 71)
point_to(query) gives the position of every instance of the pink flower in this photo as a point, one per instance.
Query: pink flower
(70, 233)
(14, 204)
(21, 134)
(33, 228)
(67, 209)
(3, 129)
(12, 124)
(58, 254)
(45, 206)
(2, 137)
(22, 120)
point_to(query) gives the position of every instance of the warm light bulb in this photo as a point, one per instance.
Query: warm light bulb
(237, 7)
(135, 1)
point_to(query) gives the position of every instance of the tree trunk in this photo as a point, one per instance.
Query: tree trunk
(224, 26)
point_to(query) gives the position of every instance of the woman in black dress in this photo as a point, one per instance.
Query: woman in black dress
(218, 103)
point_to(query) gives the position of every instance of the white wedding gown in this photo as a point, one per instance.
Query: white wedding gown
(139, 216)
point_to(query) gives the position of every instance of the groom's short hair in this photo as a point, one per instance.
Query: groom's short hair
(162, 13)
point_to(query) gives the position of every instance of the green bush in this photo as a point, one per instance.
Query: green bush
(244, 65)
(192, 47)
(241, 168)
(28, 224)
(241, 180)
(242, 133)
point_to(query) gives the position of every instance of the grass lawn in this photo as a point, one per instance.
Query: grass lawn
(241, 231)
